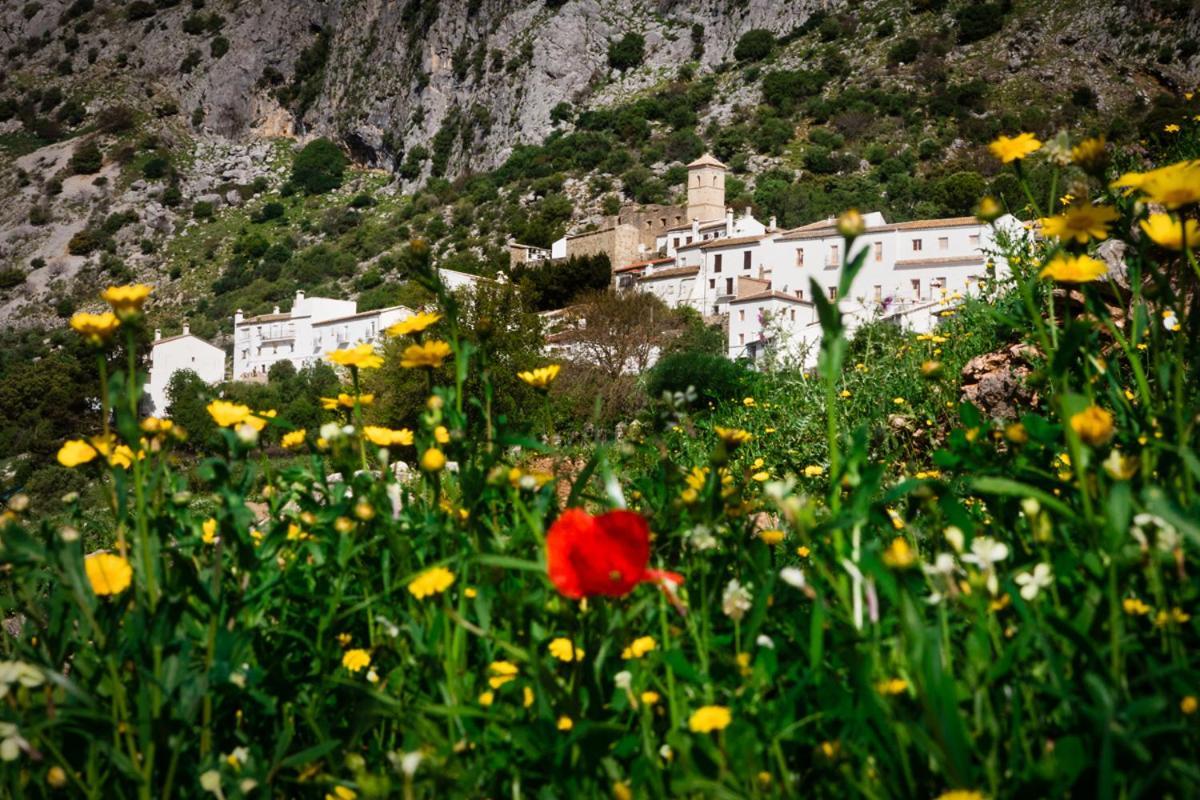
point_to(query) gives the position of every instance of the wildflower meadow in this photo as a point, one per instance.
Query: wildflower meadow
(850, 582)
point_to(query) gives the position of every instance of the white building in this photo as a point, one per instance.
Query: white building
(761, 279)
(175, 353)
(312, 327)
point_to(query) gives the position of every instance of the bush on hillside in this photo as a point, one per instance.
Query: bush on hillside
(627, 52)
(319, 167)
(714, 378)
(754, 45)
(87, 158)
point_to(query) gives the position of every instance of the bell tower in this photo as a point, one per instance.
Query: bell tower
(706, 189)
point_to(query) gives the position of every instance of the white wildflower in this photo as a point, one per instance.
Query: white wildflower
(1033, 582)
(736, 600)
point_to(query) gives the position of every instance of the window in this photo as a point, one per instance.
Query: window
(799, 294)
(916, 288)
(663, 222)
(943, 243)
(941, 284)
(916, 245)
(712, 283)
(729, 286)
(793, 312)
(676, 242)
(741, 338)
(799, 256)
(717, 263)
(879, 251)
(689, 240)
(833, 255)
(973, 240)
(878, 293)
(833, 293)
(746, 260)
(741, 315)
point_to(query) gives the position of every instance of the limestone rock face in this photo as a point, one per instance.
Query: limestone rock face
(395, 72)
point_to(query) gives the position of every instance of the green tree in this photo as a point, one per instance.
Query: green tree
(187, 396)
(755, 45)
(628, 52)
(87, 158)
(319, 167)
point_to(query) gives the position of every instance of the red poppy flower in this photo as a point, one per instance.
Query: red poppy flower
(605, 555)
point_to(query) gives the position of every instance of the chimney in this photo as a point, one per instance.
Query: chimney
(157, 334)
(299, 295)
(695, 229)
(729, 222)
(772, 225)
(275, 310)
(237, 317)
(187, 329)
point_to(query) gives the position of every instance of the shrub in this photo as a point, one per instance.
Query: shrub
(155, 168)
(714, 378)
(202, 210)
(10, 277)
(319, 167)
(784, 89)
(754, 45)
(904, 51)
(269, 211)
(627, 52)
(140, 9)
(87, 158)
(978, 20)
(219, 46)
(84, 242)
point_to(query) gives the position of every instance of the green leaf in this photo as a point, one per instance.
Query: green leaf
(991, 484)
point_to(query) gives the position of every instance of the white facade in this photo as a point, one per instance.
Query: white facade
(761, 279)
(314, 326)
(175, 353)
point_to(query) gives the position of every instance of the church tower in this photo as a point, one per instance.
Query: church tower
(706, 189)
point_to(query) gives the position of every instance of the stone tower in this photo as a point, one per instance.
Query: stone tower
(706, 189)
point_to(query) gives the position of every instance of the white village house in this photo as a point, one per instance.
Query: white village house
(759, 278)
(312, 327)
(175, 353)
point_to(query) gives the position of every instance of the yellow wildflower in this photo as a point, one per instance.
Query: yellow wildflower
(802, 551)
(1188, 704)
(227, 414)
(385, 437)
(899, 555)
(1090, 153)
(541, 377)
(96, 329)
(433, 460)
(639, 647)
(362, 356)
(341, 793)
(1165, 231)
(1094, 425)
(293, 439)
(960, 794)
(76, 452)
(1080, 222)
(427, 354)
(1171, 127)
(126, 301)
(851, 224)
(501, 672)
(108, 573)
(649, 698)
(441, 435)
(156, 425)
(732, 437)
(988, 209)
(1014, 148)
(814, 471)
(892, 686)
(772, 537)
(356, 659)
(709, 718)
(748, 402)
(1135, 607)
(414, 324)
(564, 723)
(430, 582)
(1173, 186)
(487, 698)
(526, 696)
(209, 528)
(1074, 269)
(565, 650)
